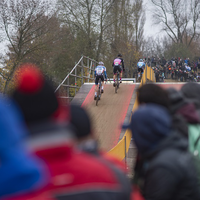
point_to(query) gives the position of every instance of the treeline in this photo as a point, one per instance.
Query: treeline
(179, 21)
(54, 36)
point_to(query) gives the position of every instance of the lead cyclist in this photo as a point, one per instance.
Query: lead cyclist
(100, 73)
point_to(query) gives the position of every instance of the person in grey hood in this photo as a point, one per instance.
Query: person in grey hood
(168, 170)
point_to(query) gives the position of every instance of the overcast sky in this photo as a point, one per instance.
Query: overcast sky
(149, 28)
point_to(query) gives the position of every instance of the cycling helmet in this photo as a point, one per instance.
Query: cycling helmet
(101, 63)
(140, 60)
(119, 55)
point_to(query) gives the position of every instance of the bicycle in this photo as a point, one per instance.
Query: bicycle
(139, 77)
(98, 92)
(117, 83)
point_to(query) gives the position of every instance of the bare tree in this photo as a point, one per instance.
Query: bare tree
(139, 21)
(103, 22)
(24, 23)
(178, 18)
(80, 16)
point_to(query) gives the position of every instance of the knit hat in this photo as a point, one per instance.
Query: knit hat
(149, 124)
(191, 91)
(154, 94)
(80, 121)
(176, 98)
(34, 94)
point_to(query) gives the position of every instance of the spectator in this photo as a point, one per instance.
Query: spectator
(168, 170)
(86, 140)
(74, 174)
(180, 107)
(20, 171)
(198, 63)
(152, 93)
(80, 120)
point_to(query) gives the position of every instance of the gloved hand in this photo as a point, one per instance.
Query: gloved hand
(123, 69)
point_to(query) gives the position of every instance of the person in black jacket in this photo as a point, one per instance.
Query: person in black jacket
(118, 65)
(167, 169)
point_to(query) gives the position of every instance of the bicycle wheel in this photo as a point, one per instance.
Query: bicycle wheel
(116, 86)
(97, 99)
(98, 93)
(117, 83)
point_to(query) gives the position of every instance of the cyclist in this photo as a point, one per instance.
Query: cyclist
(141, 66)
(100, 73)
(118, 65)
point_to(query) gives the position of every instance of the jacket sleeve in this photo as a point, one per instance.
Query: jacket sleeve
(105, 74)
(160, 183)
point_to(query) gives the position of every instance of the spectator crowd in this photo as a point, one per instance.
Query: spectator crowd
(48, 150)
(178, 69)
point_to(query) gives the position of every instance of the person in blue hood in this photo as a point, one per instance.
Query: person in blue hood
(167, 169)
(20, 171)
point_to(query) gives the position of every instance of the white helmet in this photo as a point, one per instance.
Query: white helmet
(101, 63)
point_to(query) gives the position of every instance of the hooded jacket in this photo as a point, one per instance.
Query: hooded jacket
(169, 171)
(20, 171)
(73, 174)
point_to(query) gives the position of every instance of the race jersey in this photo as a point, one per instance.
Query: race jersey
(100, 70)
(140, 64)
(117, 62)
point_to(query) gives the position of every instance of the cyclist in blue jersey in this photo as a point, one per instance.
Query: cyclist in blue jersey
(100, 73)
(141, 66)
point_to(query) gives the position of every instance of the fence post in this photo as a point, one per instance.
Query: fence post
(68, 87)
(150, 75)
(145, 73)
(93, 68)
(125, 149)
(81, 72)
(75, 79)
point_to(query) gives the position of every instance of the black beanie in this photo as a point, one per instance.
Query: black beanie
(80, 121)
(177, 100)
(34, 95)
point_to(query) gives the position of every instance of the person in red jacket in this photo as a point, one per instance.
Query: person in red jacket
(73, 174)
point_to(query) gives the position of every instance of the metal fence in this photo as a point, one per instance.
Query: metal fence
(82, 72)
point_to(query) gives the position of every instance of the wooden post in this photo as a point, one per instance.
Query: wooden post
(125, 151)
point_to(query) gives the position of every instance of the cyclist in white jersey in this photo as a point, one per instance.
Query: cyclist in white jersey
(100, 73)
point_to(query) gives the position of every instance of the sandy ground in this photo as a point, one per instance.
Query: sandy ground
(110, 113)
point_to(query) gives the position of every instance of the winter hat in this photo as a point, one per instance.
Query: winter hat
(149, 125)
(176, 98)
(154, 94)
(80, 121)
(34, 94)
(191, 91)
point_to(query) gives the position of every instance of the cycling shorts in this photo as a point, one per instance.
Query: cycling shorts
(117, 68)
(99, 77)
(140, 70)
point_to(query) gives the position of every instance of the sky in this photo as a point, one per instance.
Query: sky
(149, 28)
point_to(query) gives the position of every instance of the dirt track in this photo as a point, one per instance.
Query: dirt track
(110, 113)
